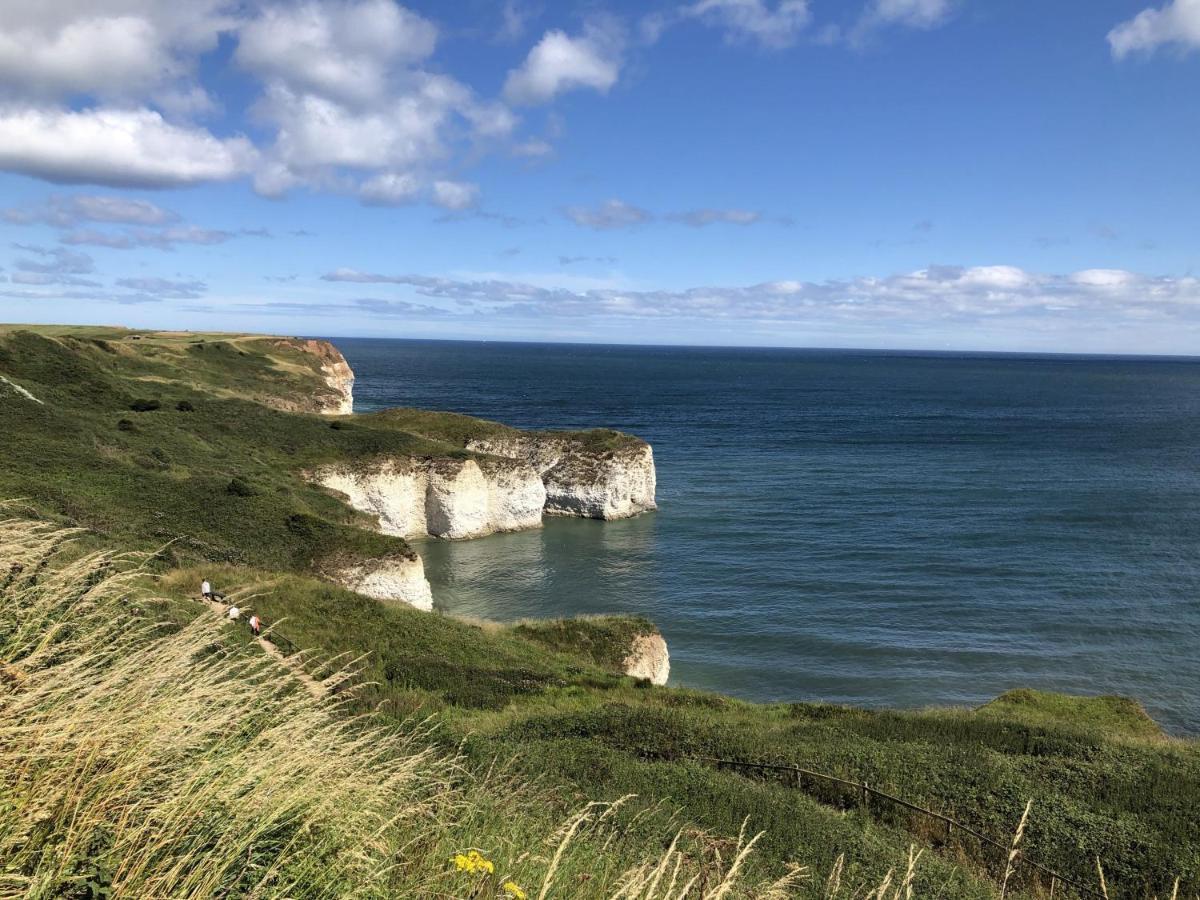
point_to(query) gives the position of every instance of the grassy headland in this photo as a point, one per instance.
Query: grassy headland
(147, 443)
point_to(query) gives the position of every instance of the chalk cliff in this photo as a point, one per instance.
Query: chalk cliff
(594, 483)
(648, 658)
(442, 497)
(394, 579)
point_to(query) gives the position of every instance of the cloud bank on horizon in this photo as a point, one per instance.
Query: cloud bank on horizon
(726, 171)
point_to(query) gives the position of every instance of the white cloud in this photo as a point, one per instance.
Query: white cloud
(390, 189)
(608, 215)
(165, 288)
(938, 295)
(351, 106)
(615, 213)
(1177, 22)
(123, 49)
(67, 211)
(123, 148)
(913, 13)
(698, 218)
(455, 195)
(771, 26)
(344, 51)
(55, 261)
(559, 62)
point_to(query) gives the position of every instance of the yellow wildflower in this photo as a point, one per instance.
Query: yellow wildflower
(473, 862)
(513, 890)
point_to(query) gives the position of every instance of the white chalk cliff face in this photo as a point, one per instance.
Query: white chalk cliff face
(648, 658)
(445, 498)
(606, 484)
(396, 580)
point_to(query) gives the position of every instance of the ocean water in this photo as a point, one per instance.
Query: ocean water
(870, 528)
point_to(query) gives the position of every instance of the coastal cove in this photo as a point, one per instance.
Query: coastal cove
(856, 527)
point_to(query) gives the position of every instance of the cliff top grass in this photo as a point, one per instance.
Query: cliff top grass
(459, 430)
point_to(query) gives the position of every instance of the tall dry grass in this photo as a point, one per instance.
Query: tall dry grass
(145, 755)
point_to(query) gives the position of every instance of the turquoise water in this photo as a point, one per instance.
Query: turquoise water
(858, 527)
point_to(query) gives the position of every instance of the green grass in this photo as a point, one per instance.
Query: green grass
(544, 694)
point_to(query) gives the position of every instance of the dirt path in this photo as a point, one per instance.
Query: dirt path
(314, 687)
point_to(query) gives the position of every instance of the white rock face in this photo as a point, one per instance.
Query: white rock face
(445, 498)
(340, 378)
(395, 580)
(648, 658)
(610, 484)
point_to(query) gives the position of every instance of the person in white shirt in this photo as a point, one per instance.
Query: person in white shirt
(233, 613)
(255, 625)
(206, 590)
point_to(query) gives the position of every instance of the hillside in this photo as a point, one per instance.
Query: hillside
(199, 451)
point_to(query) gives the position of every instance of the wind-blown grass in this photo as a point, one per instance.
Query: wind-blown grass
(147, 755)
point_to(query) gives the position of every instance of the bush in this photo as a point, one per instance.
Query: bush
(240, 487)
(143, 405)
(126, 425)
(185, 406)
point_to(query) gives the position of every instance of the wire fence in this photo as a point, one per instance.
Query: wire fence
(866, 793)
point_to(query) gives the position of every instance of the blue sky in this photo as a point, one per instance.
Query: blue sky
(934, 174)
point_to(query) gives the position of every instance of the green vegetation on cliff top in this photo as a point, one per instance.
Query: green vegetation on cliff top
(546, 699)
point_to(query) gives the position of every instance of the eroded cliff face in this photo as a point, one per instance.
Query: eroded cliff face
(648, 658)
(580, 481)
(394, 580)
(445, 497)
(338, 399)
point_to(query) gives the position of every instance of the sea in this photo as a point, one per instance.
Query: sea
(882, 529)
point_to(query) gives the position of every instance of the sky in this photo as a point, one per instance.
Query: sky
(1014, 175)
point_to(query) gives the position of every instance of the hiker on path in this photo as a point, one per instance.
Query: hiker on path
(256, 625)
(206, 590)
(234, 613)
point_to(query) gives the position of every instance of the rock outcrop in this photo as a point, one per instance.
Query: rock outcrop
(338, 400)
(442, 497)
(648, 658)
(608, 483)
(397, 579)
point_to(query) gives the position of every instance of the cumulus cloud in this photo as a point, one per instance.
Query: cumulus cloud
(774, 26)
(110, 49)
(344, 51)
(935, 295)
(613, 214)
(351, 106)
(1176, 23)
(107, 92)
(559, 63)
(119, 148)
(455, 195)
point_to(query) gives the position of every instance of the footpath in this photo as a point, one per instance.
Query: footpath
(317, 688)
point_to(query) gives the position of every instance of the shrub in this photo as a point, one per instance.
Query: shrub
(126, 425)
(240, 487)
(143, 405)
(185, 406)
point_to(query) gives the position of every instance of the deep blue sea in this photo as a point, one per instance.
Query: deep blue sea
(871, 528)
